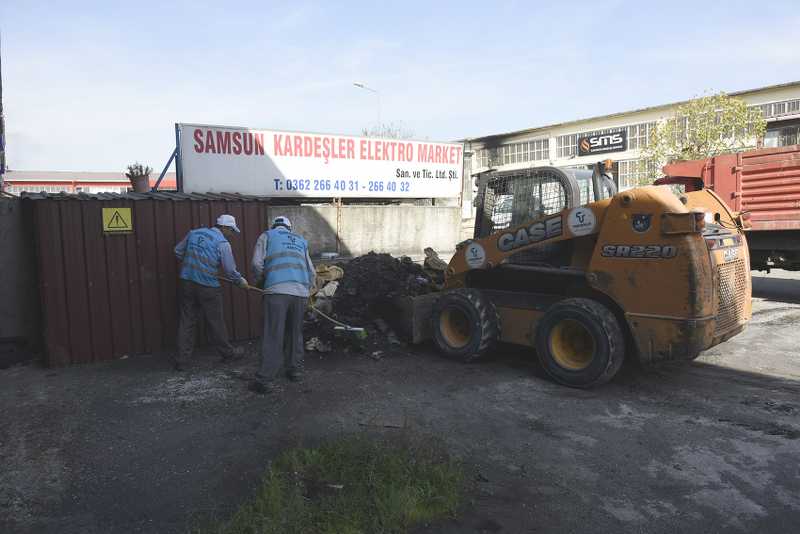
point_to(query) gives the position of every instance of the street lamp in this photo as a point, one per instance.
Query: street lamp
(377, 94)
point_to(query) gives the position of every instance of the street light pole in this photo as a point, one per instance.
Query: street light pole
(377, 94)
(2, 123)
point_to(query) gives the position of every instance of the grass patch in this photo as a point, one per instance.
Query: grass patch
(349, 486)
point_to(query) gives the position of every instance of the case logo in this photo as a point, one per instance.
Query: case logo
(538, 231)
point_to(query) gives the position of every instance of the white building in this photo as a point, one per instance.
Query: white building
(17, 182)
(557, 144)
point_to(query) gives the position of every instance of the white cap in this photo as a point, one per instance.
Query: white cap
(229, 221)
(281, 220)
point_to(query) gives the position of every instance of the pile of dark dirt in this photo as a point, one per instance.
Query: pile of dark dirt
(371, 280)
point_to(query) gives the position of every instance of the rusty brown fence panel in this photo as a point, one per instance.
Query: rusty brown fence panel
(75, 279)
(166, 267)
(253, 220)
(55, 317)
(118, 285)
(105, 296)
(144, 217)
(100, 316)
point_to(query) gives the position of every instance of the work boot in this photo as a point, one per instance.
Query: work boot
(236, 355)
(264, 388)
(295, 375)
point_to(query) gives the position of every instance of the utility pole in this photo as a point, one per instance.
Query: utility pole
(2, 121)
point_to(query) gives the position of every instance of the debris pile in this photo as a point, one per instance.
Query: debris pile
(318, 345)
(434, 267)
(357, 294)
(370, 280)
(328, 277)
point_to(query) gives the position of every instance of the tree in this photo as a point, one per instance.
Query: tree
(390, 130)
(702, 128)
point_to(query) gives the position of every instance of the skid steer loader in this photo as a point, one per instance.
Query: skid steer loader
(587, 276)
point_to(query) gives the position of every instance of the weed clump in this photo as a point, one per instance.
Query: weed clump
(351, 485)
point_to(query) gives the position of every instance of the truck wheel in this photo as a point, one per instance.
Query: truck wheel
(579, 343)
(465, 324)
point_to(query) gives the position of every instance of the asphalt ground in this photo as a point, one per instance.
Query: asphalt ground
(709, 446)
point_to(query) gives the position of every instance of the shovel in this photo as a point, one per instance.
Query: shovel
(355, 332)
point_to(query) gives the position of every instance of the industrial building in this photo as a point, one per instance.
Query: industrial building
(16, 182)
(558, 144)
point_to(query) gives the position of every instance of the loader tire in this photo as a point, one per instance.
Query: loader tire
(580, 343)
(465, 324)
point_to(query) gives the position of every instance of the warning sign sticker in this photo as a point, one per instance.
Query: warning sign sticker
(117, 221)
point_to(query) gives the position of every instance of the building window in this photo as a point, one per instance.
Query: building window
(525, 151)
(481, 158)
(639, 135)
(13, 189)
(41, 188)
(634, 172)
(567, 145)
(779, 109)
(787, 136)
(539, 149)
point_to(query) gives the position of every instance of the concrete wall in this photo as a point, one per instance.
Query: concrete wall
(19, 300)
(397, 230)
(316, 223)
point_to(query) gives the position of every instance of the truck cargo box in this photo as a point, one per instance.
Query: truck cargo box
(765, 183)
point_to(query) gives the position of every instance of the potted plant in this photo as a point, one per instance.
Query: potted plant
(139, 177)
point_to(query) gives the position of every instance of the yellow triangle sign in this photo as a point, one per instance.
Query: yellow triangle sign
(117, 221)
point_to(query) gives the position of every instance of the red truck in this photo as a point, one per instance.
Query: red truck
(764, 184)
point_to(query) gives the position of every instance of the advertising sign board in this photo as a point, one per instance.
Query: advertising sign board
(603, 143)
(296, 164)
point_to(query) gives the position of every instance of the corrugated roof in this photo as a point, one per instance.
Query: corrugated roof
(618, 114)
(77, 176)
(177, 196)
(157, 195)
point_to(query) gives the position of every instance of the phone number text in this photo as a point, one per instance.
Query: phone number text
(341, 186)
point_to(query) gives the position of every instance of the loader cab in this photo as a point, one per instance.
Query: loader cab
(510, 198)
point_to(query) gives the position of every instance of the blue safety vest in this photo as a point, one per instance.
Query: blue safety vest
(285, 260)
(202, 259)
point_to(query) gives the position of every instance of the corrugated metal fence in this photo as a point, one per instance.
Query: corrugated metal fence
(105, 296)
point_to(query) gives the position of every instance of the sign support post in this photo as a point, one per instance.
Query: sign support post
(178, 159)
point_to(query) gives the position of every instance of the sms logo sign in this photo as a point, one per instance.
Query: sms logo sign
(603, 143)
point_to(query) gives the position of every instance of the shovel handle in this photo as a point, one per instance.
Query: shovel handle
(247, 287)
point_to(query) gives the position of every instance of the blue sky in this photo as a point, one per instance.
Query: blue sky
(96, 85)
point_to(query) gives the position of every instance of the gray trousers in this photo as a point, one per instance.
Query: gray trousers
(282, 340)
(193, 298)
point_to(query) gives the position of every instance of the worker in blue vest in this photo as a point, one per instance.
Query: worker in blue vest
(283, 265)
(206, 255)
